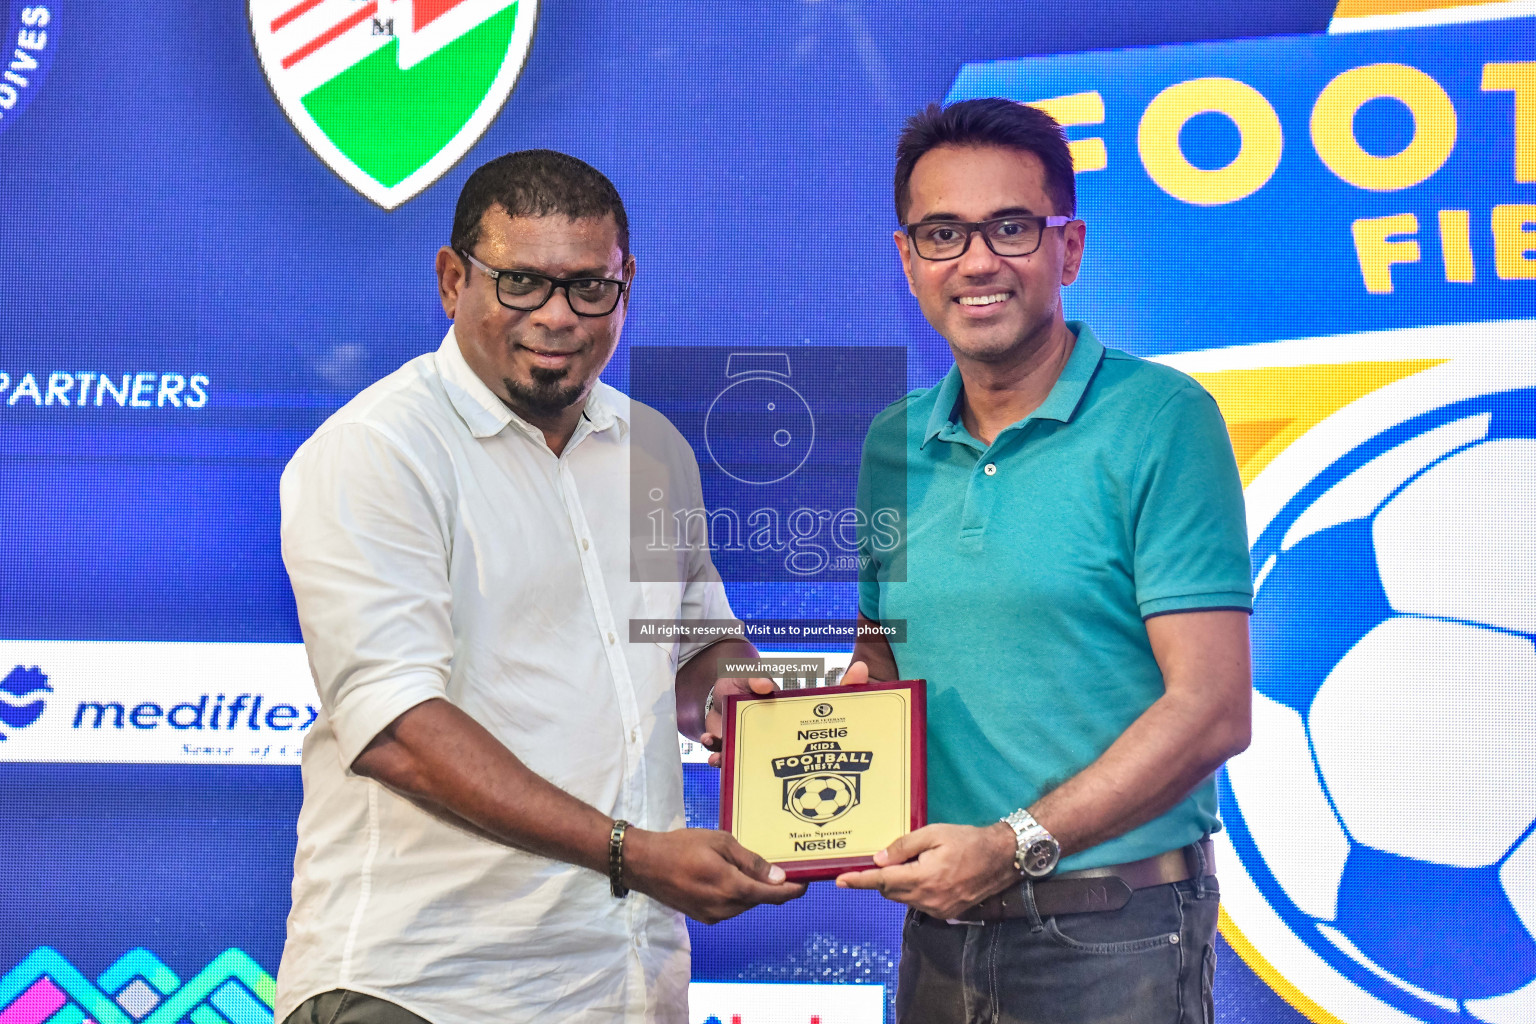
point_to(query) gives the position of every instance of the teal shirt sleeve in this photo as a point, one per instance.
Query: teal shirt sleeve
(882, 506)
(869, 586)
(1190, 528)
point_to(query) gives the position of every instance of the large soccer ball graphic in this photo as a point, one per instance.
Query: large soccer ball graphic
(820, 798)
(1387, 810)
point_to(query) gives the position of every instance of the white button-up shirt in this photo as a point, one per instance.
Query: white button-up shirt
(438, 548)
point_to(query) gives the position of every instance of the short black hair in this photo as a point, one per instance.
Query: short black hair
(536, 183)
(987, 122)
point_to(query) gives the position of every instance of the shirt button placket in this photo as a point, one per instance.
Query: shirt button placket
(977, 509)
(631, 804)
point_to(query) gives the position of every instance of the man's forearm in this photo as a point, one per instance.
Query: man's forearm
(696, 677)
(440, 758)
(1157, 762)
(1202, 718)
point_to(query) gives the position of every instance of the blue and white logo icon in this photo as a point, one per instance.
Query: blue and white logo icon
(1386, 812)
(16, 711)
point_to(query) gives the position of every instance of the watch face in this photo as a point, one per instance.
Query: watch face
(1041, 857)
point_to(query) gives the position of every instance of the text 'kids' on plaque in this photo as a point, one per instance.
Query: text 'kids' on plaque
(817, 781)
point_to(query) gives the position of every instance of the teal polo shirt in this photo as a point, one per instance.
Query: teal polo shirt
(1027, 569)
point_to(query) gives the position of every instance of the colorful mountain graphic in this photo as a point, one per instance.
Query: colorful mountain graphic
(139, 988)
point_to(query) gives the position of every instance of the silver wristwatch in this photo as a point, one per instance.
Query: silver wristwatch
(1038, 851)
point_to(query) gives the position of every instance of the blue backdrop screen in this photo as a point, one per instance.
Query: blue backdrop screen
(218, 223)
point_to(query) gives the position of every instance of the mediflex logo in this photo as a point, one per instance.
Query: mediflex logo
(138, 702)
(21, 682)
(210, 712)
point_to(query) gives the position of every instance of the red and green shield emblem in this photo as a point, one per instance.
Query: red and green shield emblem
(391, 93)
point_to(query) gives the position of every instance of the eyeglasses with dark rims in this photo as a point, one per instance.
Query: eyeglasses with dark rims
(1006, 236)
(526, 291)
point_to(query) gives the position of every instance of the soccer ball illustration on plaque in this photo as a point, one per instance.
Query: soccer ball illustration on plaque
(1386, 809)
(759, 429)
(819, 799)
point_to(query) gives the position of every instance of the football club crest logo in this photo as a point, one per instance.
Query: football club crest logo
(391, 93)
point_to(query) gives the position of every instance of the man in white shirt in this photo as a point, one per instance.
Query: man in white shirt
(459, 541)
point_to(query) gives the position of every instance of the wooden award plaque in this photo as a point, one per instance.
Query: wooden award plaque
(819, 780)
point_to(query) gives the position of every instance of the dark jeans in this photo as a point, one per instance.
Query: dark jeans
(1150, 962)
(339, 1006)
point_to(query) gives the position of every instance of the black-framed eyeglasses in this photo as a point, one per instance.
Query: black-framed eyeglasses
(1006, 236)
(525, 291)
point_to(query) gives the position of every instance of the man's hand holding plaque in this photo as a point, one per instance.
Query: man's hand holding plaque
(729, 686)
(941, 870)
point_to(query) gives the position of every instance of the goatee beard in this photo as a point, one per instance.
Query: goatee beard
(546, 396)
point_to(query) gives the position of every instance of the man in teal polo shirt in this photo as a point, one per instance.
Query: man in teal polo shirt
(1075, 581)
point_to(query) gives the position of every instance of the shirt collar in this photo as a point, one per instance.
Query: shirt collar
(1060, 405)
(486, 415)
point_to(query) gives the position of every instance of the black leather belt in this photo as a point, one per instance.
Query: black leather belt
(1094, 889)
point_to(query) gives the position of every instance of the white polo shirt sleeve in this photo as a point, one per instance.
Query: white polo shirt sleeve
(365, 538)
